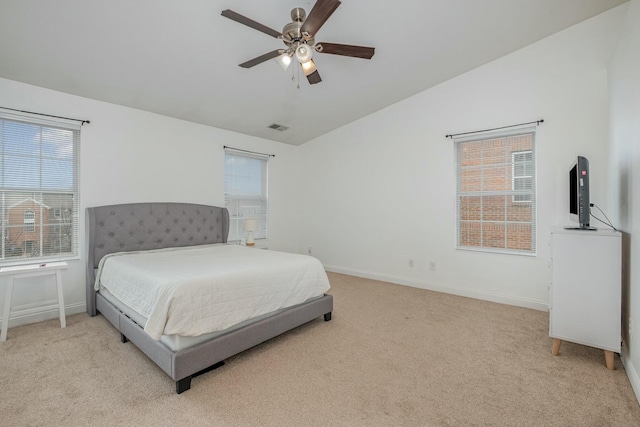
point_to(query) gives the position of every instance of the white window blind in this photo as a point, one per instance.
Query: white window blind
(245, 192)
(495, 191)
(38, 178)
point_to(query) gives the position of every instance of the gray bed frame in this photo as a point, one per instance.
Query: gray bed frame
(144, 226)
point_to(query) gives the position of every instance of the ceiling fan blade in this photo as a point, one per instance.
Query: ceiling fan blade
(346, 50)
(314, 78)
(319, 14)
(262, 58)
(234, 16)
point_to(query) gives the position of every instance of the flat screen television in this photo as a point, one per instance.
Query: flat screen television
(579, 206)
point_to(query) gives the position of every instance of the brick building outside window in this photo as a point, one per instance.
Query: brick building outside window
(495, 200)
(35, 229)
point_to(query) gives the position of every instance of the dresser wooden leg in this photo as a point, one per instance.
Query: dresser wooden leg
(555, 349)
(608, 359)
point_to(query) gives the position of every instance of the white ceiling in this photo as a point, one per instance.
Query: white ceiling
(180, 58)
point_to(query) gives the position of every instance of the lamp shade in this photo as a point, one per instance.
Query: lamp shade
(250, 225)
(284, 61)
(308, 67)
(304, 53)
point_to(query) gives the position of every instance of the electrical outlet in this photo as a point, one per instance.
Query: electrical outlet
(411, 262)
(309, 250)
(432, 266)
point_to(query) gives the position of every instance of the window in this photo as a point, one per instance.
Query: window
(522, 174)
(245, 192)
(29, 222)
(495, 192)
(38, 188)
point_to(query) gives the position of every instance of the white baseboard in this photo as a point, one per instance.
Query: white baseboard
(32, 314)
(439, 287)
(632, 373)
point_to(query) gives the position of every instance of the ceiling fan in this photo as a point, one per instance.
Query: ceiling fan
(299, 39)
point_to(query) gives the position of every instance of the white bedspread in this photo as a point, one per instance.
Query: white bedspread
(196, 290)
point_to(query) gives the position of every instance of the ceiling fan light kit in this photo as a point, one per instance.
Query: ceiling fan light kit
(284, 60)
(303, 53)
(308, 67)
(299, 38)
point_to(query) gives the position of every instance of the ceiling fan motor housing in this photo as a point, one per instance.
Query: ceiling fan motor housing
(291, 34)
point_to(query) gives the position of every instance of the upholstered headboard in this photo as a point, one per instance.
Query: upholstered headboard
(144, 226)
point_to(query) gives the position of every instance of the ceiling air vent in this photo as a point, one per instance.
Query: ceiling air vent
(276, 126)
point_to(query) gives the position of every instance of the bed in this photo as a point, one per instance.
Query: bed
(158, 235)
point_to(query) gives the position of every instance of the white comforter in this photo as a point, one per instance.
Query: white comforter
(196, 290)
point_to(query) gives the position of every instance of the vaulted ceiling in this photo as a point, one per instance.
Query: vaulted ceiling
(180, 58)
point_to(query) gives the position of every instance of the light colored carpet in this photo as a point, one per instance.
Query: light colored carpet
(392, 355)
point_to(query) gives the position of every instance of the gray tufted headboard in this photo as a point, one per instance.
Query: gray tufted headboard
(143, 226)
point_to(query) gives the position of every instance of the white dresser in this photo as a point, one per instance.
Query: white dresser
(585, 292)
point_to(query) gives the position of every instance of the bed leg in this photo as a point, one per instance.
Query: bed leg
(183, 385)
(123, 339)
(327, 316)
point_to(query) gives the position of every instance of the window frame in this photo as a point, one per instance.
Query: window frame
(48, 148)
(509, 227)
(246, 206)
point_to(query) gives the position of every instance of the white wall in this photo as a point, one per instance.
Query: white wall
(380, 191)
(371, 195)
(129, 155)
(625, 179)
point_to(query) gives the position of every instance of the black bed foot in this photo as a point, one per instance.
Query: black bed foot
(327, 317)
(123, 339)
(185, 383)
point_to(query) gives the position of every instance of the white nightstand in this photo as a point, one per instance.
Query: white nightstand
(32, 270)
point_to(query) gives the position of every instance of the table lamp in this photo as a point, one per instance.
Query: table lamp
(250, 225)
